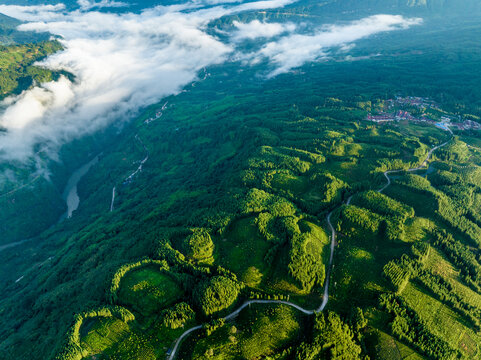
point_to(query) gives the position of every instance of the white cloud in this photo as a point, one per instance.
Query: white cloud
(217, 2)
(256, 29)
(263, 5)
(34, 12)
(121, 62)
(294, 50)
(88, 5)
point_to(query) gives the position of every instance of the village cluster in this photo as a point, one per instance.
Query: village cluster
(394, 111)
(158, 114)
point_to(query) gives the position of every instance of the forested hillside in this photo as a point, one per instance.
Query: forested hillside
(17, 69)
(10, 35)
(212, 216)
(21, 186)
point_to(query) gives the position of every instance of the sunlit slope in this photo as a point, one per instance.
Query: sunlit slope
(384, 256)
(231, 205)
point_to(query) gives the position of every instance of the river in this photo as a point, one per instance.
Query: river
(70, 197)
(70, 194)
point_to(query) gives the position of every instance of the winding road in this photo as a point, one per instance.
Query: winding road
(325, 297)
(130, 178)
(10, 245)
(142, 162)
(420, 167)
(113, 200)
(21, 187)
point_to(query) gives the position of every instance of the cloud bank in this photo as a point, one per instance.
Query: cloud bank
(34, 12)
(256, 29)
(123, 62)
(294, 50)
(88, 5)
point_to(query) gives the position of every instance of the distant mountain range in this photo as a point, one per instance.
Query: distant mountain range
(7, 21)
(375, 5)
(133, 4)
(421, 6)
(9, 34)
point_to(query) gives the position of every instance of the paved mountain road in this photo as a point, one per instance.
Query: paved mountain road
(325, 297)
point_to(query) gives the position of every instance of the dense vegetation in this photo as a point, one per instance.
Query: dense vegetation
(16, 70)
(332, 339)
(232, 206)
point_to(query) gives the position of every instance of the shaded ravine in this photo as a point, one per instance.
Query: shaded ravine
(69, 195)
(325, 297)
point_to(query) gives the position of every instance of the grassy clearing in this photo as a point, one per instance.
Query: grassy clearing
(133, 346)
(297, 185)
(438, 263)
(407, 353)
(350, 169)
(424, 131)
(103, 334)
(389, 348)
(416, 229)
(110, 338)
(357, 275)
(317, 186)
(380, 344)
(318, 237)
(148, 290)
(242, 249)
(358, 267)
(316, 245)
(258, 332)
(441, 320)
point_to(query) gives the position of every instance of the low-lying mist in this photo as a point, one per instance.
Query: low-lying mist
(125, 61)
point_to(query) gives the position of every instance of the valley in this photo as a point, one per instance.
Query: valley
(318, 213)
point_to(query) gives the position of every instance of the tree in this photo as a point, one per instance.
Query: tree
(199, 245)
(333, 339)
(216, 294)
(358, 321)
(177, 316)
